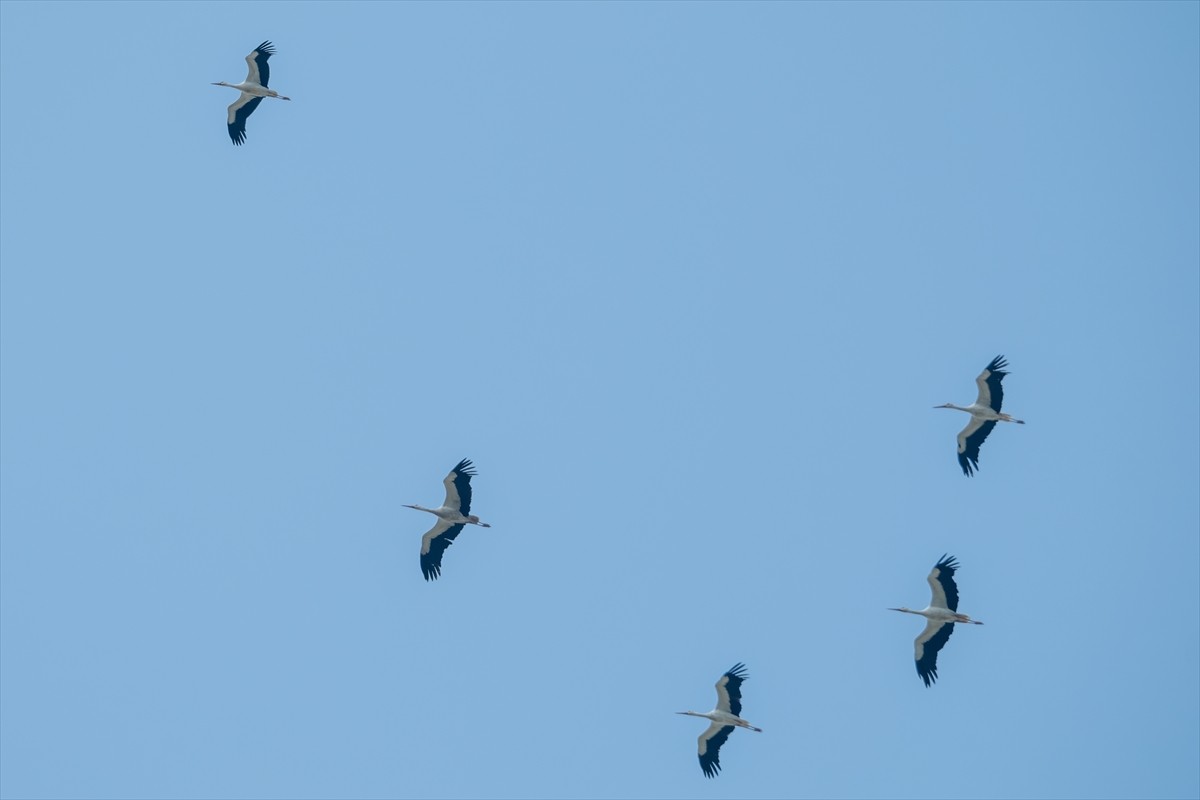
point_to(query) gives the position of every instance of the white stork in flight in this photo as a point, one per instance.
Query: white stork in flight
(253, 90)
(941, 613)
(724, 717)
(985, 413)
(452, 516)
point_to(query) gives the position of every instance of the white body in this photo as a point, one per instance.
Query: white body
(453, 515)
(941, 615)
(251, 91)
(725, 717)
(720, 719)
(985, 413)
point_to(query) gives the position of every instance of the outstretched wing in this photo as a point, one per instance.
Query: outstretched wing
(927, 645)
(458, 487)
(709, 748)
(729, 690)
(433, 544)
(259, 72)
(969, 440)
(941, 580)
(991, 393)
(239, 111)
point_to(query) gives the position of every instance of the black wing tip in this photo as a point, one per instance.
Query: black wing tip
(738, 671)
(969, 465)
(998, 366)
(431, 562)
(266, 48)
(238, 137)
(927, 667)
(947, 564)
(465, 467)
(710, 762)
(431, 568)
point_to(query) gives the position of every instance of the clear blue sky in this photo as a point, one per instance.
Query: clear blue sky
(685, 281)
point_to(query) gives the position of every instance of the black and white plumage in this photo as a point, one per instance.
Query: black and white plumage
(985, 413)
(942, 614)
(724, 718)
(454, 514)
(253, 90)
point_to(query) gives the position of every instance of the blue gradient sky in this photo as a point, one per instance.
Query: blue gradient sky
(685, 281)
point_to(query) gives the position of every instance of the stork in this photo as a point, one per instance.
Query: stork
(452, 517)
(724, 717)
(941, 613)
(985, 413)
(253, 90)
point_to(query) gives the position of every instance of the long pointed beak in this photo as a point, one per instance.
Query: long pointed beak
(893, 609)
(406, 505)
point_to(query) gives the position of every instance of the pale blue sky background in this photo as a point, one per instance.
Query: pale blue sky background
(685, 281)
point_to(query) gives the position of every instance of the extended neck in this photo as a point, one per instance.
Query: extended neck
(708, 716)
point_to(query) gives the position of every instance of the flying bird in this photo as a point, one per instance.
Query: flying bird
(452, 517)
(253, 90)
(985, 413)
(724, 717)
(941, 613)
